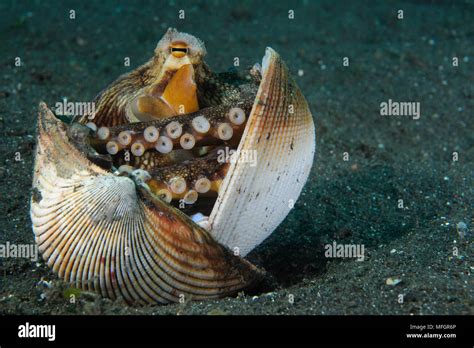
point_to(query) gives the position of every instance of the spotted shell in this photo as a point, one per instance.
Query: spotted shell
(108, 233)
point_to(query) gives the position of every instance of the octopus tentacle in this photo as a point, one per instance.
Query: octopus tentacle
(209, 126)
(201, 176)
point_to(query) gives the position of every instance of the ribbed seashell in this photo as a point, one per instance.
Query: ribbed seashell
(255, 197)
(106, 233)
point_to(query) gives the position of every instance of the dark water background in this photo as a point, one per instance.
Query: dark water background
(352, 201)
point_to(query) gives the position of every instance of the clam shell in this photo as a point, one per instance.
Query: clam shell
(254, 199)
(106, 233)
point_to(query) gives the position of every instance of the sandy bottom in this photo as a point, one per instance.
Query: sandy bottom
(350, 202)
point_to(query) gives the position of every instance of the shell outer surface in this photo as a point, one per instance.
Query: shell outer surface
(109, 232)
(106, 233)
(256, 196)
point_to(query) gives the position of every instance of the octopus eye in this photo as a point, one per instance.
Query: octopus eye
(179, 49)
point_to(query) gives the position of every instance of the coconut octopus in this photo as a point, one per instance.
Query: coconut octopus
(153, 198)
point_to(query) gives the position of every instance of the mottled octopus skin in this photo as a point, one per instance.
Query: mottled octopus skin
(109, 232)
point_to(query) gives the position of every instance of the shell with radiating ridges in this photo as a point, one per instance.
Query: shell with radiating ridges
(105, 233)
(110, 234)
(254, 199)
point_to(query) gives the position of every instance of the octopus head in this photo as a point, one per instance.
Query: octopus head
(176, 49)
(173, 89)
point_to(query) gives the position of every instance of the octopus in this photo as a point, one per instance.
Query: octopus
(138, 201)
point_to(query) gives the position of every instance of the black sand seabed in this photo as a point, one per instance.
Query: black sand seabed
(353, 201)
